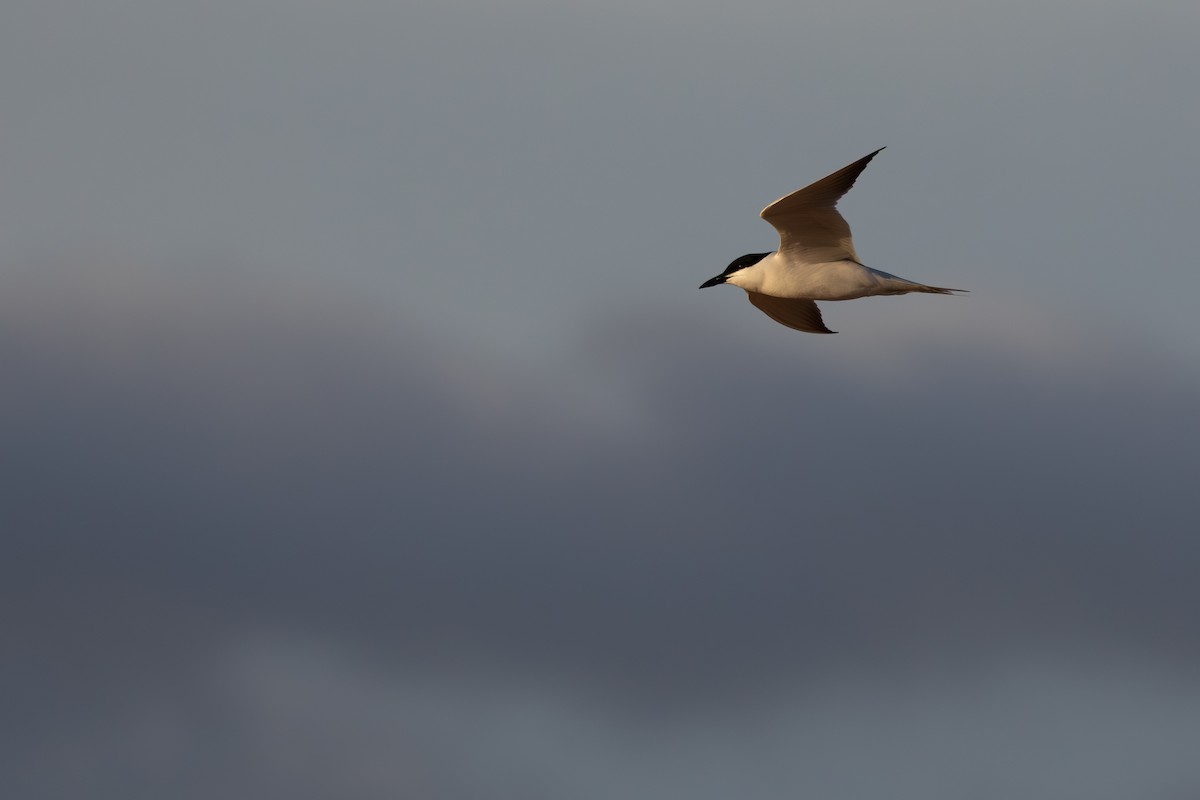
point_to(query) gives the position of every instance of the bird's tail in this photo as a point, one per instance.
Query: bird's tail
(887, 283)
(901, 286)
(920, 287)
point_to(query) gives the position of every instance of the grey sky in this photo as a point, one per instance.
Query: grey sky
(364, 432)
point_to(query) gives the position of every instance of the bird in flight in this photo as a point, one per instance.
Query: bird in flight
(815, 259)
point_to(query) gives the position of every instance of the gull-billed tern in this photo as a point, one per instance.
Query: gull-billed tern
(815, 259)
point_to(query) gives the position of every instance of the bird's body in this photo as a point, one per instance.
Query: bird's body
(815, 259)
(784, 275)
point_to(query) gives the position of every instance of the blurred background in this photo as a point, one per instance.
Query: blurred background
(364, 433)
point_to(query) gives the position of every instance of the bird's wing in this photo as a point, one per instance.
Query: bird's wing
(808, 222)
(802, 315)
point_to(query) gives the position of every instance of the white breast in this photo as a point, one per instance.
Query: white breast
(780, 276)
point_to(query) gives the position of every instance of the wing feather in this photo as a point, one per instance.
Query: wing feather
(808, 222)
(796, 313)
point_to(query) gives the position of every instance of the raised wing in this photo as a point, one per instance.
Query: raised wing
(802, 315)
(808, 222)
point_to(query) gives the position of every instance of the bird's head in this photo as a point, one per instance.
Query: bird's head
(738, 264)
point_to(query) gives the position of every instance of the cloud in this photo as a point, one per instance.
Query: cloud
(673, 510)
(266, 430)
(272, 714)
